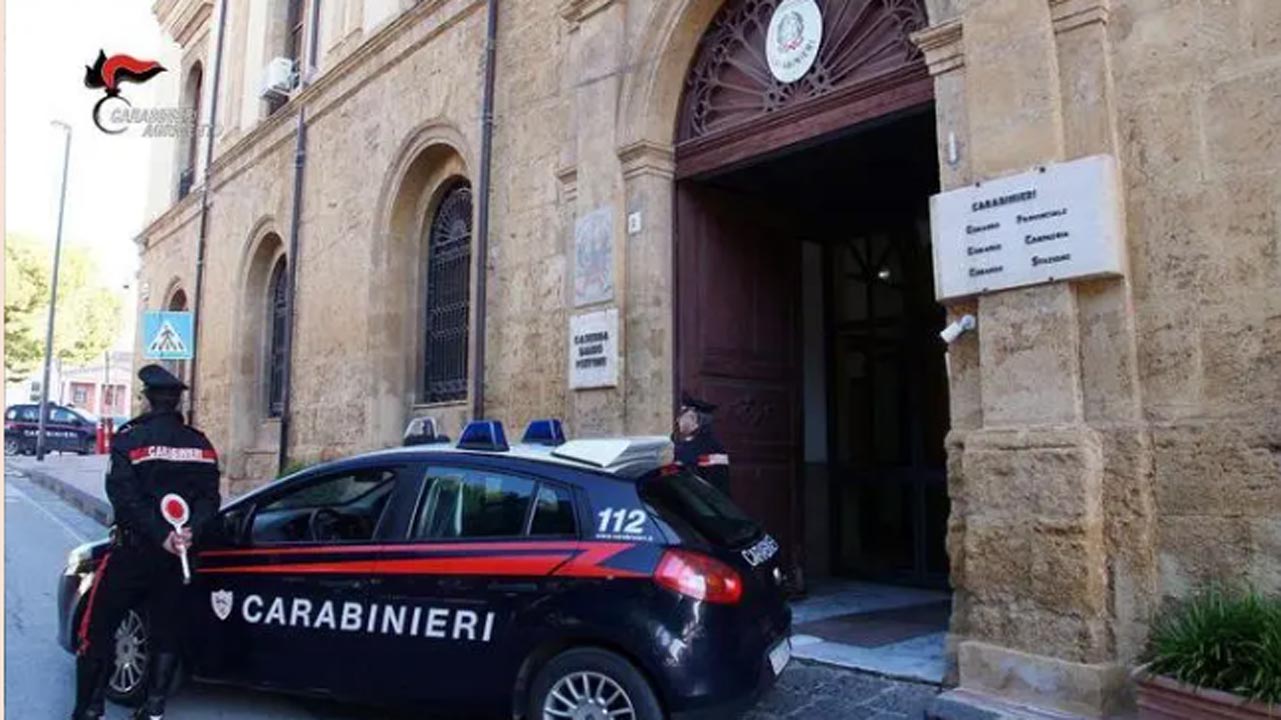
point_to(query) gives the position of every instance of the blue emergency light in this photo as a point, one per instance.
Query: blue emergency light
(484, 435)
(547, 431)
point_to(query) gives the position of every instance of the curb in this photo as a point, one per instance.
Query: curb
(96, 508)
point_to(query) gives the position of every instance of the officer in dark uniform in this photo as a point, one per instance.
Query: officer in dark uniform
(152, 455)
(696, 445)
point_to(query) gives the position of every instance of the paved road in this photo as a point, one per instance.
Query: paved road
(40, 529)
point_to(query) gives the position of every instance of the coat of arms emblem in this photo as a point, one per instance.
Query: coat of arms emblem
(221, 600)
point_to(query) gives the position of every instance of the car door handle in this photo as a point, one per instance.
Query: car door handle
(513, 587)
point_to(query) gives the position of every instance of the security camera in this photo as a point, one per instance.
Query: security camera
(958, 328)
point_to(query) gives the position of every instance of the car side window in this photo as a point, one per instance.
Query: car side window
(63, 417)
(29, 414)
(343, 507)
(553, 512)
(11, 414)
(461, 503)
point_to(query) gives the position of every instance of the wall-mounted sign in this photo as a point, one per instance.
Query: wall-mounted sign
(594, 257)
(593, 350)
(1056, 222)
(792, 41)
(166, 335)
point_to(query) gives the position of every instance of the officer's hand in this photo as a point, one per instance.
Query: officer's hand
(178, 541)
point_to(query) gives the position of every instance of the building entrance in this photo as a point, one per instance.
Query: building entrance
(807, 311)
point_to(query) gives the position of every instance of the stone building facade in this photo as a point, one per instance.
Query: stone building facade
(1110, 443)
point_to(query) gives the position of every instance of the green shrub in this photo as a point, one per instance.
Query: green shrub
(1222, 639)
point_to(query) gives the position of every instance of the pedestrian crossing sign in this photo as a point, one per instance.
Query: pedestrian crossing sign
(166, 335)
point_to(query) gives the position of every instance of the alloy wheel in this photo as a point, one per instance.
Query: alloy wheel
(588, 696)
(130, 670)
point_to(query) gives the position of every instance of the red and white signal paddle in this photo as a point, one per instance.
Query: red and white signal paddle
(175, 510)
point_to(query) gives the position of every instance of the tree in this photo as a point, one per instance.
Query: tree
(88, 312)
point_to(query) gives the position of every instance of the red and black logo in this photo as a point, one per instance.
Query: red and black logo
(109, 72)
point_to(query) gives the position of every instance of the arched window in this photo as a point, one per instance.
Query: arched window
(180, 368)
(448, 289)
(192, 93)
(275, 355)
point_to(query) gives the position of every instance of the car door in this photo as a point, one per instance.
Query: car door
(469, 576)
(63, 430)
(286, 582)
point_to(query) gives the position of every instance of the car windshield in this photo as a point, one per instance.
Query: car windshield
(677, 493)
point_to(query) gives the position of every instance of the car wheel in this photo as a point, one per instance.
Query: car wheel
(12, 446)
(127, 684)
(86, 447)
(591, 684)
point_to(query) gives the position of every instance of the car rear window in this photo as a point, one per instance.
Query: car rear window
(680, 495)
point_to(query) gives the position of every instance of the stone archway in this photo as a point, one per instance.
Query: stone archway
(433, 159)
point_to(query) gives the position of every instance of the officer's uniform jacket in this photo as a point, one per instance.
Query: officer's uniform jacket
(705, 455)
(151, 456)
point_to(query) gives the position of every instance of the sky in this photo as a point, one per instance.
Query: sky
(47, 45)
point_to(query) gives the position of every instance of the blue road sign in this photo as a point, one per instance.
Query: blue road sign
(166, 335)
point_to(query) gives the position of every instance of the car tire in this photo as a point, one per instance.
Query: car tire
(127, 681)
(12, 446)
(585, 678)
(86, 447)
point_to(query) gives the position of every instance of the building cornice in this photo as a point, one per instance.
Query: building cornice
(183, 19)
(575, 12)
(1072, 14)
(647, 158)
(942, 45)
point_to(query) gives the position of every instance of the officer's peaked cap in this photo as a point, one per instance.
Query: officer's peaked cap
(688, 401)
(156, 377)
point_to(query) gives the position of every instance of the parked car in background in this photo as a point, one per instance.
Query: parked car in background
(66, 430)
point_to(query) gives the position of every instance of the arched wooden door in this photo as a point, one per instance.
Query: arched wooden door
(737, 267)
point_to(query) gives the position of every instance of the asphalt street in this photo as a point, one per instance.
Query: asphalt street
(40, 529)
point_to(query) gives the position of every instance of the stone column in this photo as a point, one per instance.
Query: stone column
(1049, 368)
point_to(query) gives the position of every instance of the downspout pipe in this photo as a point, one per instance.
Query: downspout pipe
(204, 217)
(291, 258)
(291, 278)
(482, 211)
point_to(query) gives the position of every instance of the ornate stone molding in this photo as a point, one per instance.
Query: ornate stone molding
(942, 45)
(576, 11)
(1072, 14)
(647, 158)
(568, 178)
(183, 19)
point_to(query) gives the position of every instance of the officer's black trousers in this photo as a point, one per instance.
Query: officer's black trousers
(145, 579)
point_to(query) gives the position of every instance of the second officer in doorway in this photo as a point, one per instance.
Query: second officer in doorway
(696, 444)
(152, 455)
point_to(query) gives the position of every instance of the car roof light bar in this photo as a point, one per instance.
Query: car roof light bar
(548, 431)
(484, 435)
(652, 451)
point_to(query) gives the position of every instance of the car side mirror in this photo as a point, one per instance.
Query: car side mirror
(233, 526)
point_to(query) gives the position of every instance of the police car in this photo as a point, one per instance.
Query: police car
(66, 430)
(588, 579)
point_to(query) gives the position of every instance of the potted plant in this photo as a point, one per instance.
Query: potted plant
(1217, 655)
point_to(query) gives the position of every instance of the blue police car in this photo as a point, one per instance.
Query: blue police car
(588, 579)
(66, 429)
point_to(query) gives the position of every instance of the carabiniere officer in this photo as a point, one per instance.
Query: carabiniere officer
(697, 447)
(152, 455)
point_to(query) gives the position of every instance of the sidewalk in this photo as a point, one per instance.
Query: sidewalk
(77, 479)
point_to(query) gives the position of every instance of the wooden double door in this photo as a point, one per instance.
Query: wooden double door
(739, 318)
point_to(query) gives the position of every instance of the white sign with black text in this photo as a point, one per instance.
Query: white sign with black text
(593, 350)
(1056, 222)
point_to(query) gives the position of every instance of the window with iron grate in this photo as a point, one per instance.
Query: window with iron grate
(448, 291)
(276, 308)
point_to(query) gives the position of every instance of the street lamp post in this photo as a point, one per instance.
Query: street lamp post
(53, 293)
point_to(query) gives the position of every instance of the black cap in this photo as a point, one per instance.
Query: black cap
(693, 403)
(157, 378)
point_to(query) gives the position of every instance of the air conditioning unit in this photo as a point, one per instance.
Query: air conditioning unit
(279, 78)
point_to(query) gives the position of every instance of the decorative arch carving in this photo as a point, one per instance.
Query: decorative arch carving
(866, 66)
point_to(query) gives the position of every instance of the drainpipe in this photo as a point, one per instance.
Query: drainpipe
(204, 216)
(291, 259)
(482, 212)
